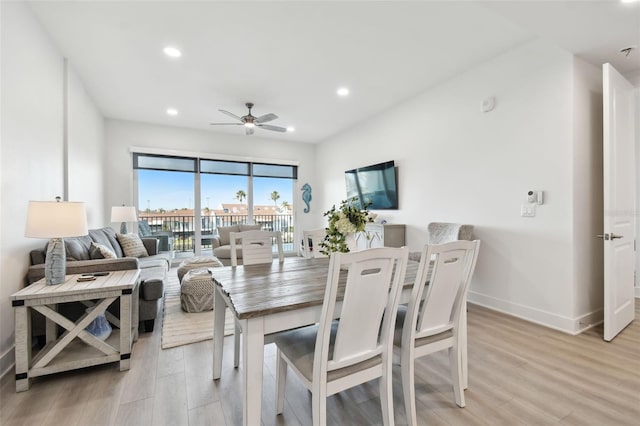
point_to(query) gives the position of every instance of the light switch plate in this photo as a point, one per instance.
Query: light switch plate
(528, 210)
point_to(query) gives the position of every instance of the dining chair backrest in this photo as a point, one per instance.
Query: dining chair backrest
(311, 243)
(333, 356)
(439, 309)
(256, 246)
(369, 307)
(435, 318)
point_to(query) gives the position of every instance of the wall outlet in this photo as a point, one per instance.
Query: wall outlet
(528, 210)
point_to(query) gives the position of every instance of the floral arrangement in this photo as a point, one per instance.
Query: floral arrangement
(347, 219)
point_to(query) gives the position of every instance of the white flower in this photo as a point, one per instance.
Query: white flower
(346, 219)
(344, 226)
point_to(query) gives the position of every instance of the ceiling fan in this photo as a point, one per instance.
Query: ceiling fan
(250, 122)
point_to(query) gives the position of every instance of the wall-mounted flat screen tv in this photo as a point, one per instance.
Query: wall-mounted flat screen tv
(375, 184)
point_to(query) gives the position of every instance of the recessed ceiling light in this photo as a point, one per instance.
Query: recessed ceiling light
(343, 91)
(291, 129)
(172, 52)
(172, 111)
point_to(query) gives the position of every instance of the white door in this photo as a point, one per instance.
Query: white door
(619, 202)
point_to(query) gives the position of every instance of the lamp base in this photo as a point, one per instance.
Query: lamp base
(123, 228)
(55, 262)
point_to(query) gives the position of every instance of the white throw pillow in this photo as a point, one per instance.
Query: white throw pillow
(105, 251)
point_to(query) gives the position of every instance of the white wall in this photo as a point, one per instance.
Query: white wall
(86, 155)
(637, 131)
(588, 254)
(32, 149)
(122, 136)
(458, 164)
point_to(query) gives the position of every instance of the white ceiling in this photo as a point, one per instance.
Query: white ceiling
(289, 57)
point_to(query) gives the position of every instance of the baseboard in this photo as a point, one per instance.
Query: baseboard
(7, 361)
(589, 320)
(567, 325)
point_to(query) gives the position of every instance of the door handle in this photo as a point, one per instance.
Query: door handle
(611, 236)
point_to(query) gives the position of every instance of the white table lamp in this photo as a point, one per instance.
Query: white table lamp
(56, 220)
(123, 214)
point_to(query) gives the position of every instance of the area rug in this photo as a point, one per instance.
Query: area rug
(182, 328)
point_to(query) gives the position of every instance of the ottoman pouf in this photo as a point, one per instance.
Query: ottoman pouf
(196, 291)
(198, 262)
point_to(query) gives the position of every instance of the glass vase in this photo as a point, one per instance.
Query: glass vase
(99, 327)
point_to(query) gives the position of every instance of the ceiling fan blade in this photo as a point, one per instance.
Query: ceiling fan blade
(226, 124)
(265, 118)
(249, 130)
(230, 114)
(274, 128)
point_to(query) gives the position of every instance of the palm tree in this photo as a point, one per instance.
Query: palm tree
(241, 195)
(285, 205)
(275, 196)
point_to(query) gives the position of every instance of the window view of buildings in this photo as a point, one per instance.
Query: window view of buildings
(181, 222)
(170, 187)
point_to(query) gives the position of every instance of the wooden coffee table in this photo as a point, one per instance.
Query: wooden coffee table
(75, 347)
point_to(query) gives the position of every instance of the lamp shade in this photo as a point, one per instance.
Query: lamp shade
(52, 219)
(123, 214)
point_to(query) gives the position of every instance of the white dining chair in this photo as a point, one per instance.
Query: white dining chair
(257, 248)
(333, 356)
(445, 232)
(311, 243)
(433, 321)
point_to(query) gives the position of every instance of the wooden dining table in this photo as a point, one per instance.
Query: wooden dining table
(266, 299)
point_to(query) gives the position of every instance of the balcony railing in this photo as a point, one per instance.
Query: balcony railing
(181, 228)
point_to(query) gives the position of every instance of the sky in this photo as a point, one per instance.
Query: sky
(174, 190)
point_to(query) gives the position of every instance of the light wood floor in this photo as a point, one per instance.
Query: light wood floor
(520, 374)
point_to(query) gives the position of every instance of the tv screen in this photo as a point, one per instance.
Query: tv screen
(375, 184)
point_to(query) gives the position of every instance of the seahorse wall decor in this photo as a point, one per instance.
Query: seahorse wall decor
(306, 196)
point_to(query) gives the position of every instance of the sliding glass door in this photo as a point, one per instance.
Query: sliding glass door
(224, 187)
(273, 207)
(189, 198)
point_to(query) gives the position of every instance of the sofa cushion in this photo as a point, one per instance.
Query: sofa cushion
(78, 248)
(144, 230)
(95, 253)
(107, 237)
(132, 245)
(157, 261)
(224, 252)
(224, 231)
(100, 251)
(245, 227)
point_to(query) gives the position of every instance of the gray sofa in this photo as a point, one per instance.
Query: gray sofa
(81, 259)
(221, 243)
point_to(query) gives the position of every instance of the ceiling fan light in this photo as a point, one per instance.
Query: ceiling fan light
(249, 125)
(291, 129)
